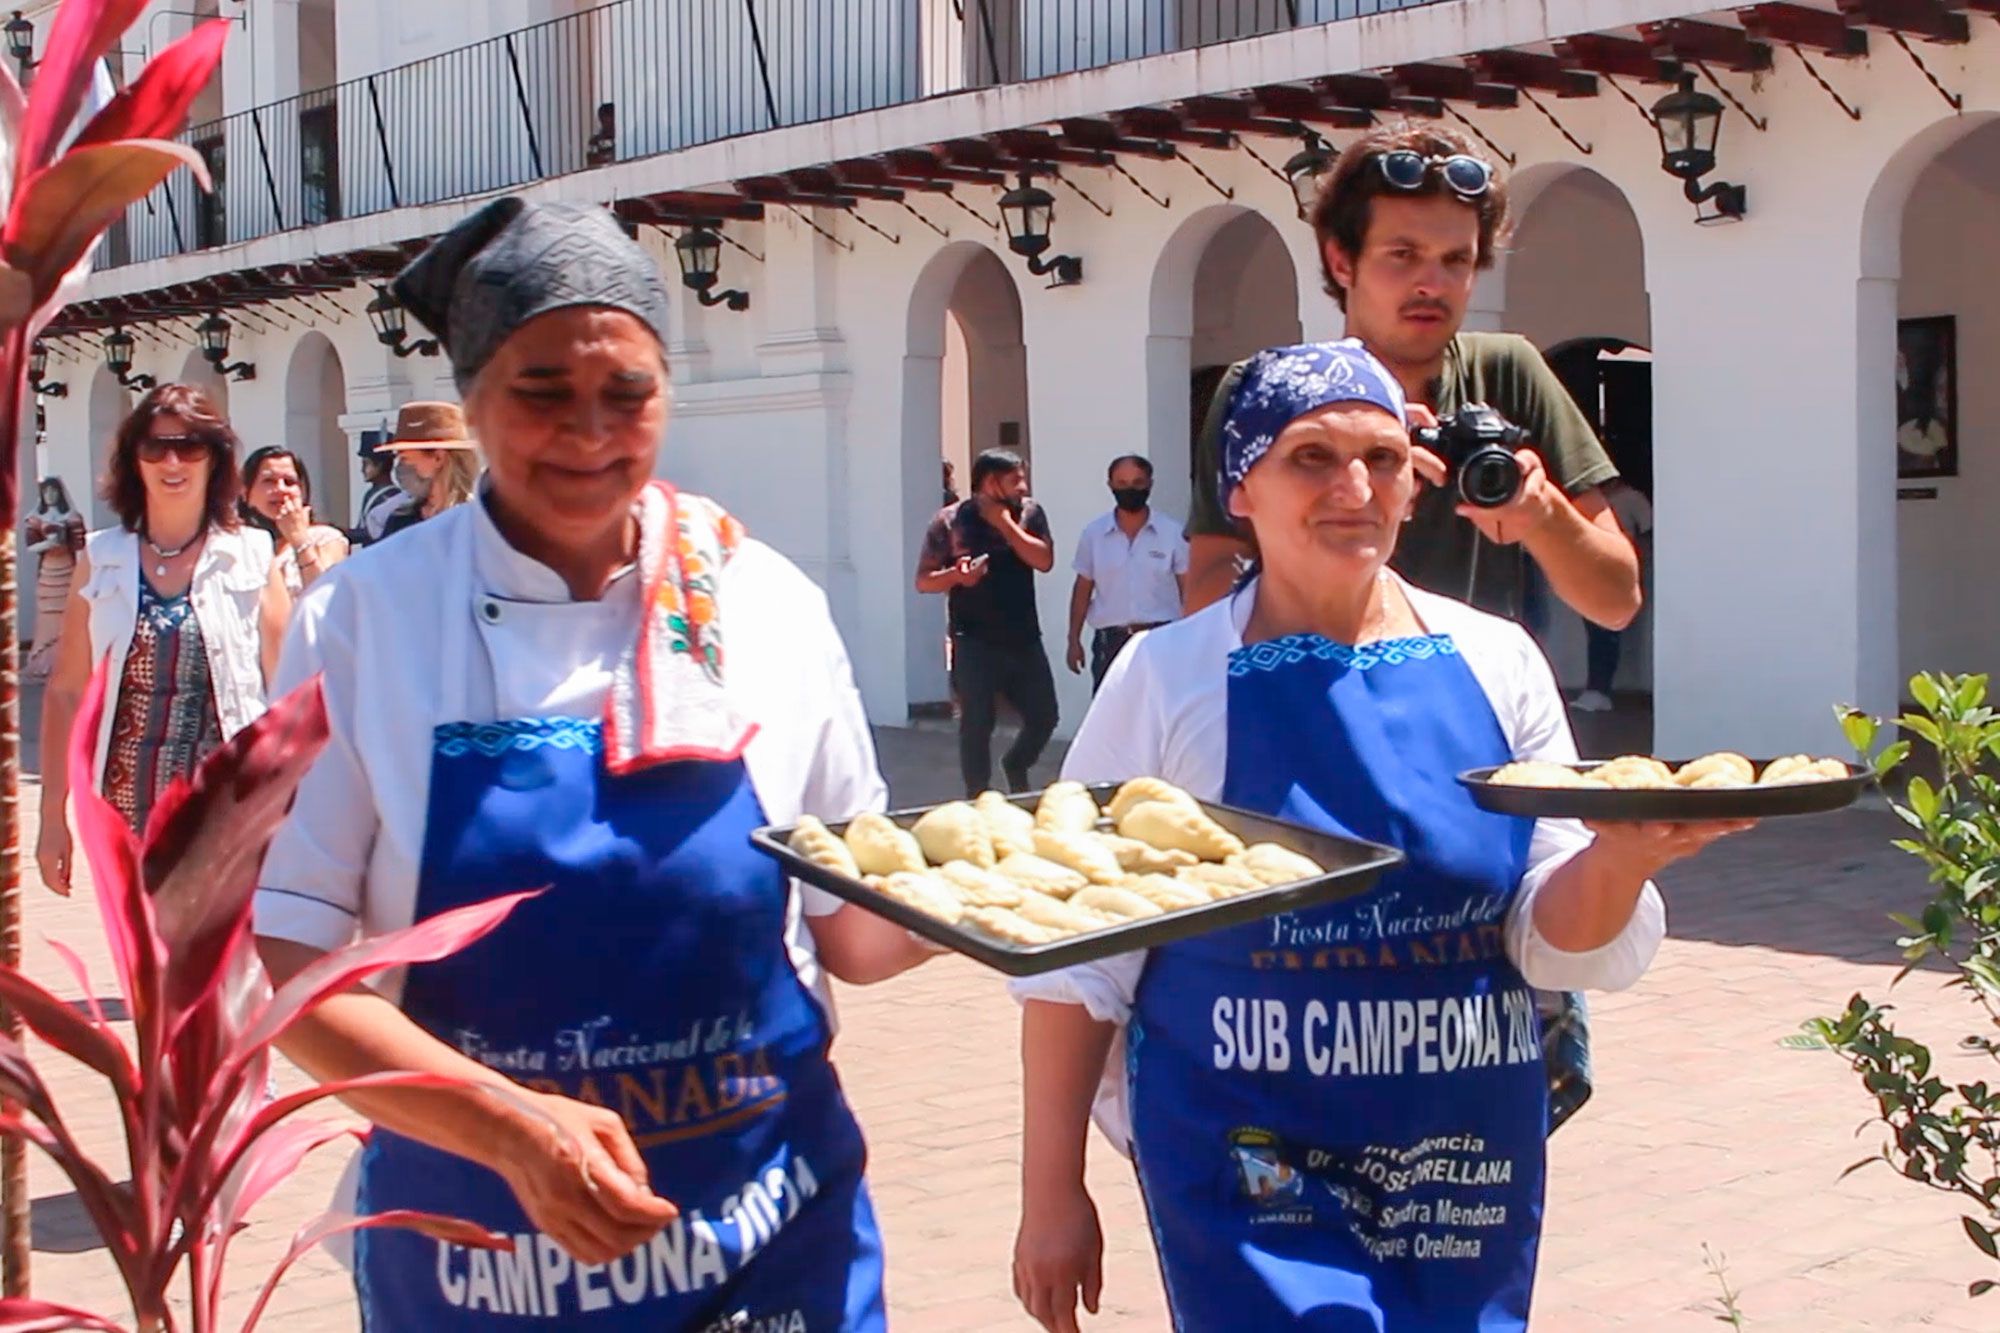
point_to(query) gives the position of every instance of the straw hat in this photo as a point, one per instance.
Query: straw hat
(430, 426)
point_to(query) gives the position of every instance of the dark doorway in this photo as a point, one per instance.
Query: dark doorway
(1612, 381)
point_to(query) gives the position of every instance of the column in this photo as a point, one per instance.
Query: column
(1775, 542)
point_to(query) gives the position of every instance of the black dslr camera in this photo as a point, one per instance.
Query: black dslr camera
(1478, 445)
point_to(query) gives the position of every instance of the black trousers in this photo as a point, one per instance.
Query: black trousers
(1602, 657)
(1105, 645)
(980, 674)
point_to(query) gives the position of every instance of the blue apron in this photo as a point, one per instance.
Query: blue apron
(651, 978)
(1339, 1114)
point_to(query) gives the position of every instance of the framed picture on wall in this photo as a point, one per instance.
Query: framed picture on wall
(1927, 397)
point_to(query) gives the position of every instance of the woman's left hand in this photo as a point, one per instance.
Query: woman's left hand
(294, 520)
(1645, 849)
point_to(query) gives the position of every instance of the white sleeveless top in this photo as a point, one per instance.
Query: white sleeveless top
(227, 594)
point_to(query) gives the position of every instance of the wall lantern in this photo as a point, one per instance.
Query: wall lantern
(1688, 122)
(1304, 168)
(1029, 211)
(118, 360)
(699, 252)
(385, 312)
(21, 41)
(38, 365)
(214, 334)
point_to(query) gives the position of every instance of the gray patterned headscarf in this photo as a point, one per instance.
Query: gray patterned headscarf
(513, 260)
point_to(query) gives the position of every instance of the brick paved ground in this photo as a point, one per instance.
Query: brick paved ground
(1704, 1131)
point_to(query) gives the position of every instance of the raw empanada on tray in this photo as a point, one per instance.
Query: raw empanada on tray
(880, 848)
(1011, 828)
(1067, 807)
(818, 844)
(1140, 790)
(1175, 827)
(954, 832)
(1081, 852)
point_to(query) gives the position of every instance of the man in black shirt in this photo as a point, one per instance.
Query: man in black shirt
(984, 553)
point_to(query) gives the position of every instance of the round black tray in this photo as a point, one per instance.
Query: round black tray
(1679, 805)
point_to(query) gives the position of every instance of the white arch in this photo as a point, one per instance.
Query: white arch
(922, 436)
(1580, 283)
(1882, 214)
(197, 371)
(110, 404)
(1171, 330)
(315, 400)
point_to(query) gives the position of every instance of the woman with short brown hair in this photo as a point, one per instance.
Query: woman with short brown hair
(182, 599)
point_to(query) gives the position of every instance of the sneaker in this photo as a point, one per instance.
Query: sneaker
(1592, 701)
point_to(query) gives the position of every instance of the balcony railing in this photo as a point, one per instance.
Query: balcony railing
(638, 77)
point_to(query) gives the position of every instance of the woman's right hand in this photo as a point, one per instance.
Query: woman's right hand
(1059, 1255)
(52, 853)
(581, 1180)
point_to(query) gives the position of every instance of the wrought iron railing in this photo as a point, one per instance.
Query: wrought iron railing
(633, 78)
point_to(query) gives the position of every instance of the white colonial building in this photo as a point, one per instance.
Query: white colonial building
(853, 153)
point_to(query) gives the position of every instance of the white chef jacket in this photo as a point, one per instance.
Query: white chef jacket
(1163, 712)
(449, 623)
(1132, 578)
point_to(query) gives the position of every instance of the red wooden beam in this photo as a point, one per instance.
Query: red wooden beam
(1031, 146)
(820, 181)
(927, 165)
(1230, 113)
(1797, 25)
(1451, 83)
(1527, 69)
(778, 190)
(706, 205)
(1926, 19)
(1710, 43)
(874, 171)
(1599, 54)
(1309, 106)
(1157, 122)
(1105, 136)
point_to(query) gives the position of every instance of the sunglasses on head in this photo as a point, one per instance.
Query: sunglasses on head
(1406, 169)
(187, 448)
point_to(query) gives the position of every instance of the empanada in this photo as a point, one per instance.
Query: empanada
(1067, 807)
(926, 893)
(817, 844)
(954, 832)
(1634, 772)
(1034, 873)
(979, 887)
(1059, 915)
(1725, 764)
(1142, 858)
(1140, 790)
(1081, 852)
(1219, 881)
(1007, 927)
(1177, 828)
(1539, 773)
(1272, 864)
(1168, 893)
(1121, 903)
(880, 848)
(1798, 768)
(1011, 828)
(1715, 780)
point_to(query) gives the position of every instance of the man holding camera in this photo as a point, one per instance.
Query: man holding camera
(1405, 220)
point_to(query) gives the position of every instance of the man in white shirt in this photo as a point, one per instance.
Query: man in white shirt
(1129, 567)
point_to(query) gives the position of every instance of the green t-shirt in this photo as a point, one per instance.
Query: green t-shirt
(1438, 549)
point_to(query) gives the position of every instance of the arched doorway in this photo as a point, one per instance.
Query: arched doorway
(315, 400)
(1575, 286)
(197, 372)
(1944, 331)
(1225, 286)
(109, 405)
(966, 391)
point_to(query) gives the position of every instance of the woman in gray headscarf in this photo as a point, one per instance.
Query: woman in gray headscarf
(614, 686)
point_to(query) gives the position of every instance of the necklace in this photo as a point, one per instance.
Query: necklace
(160, 570)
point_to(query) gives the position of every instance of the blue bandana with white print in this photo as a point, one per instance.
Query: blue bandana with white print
(1282, 384)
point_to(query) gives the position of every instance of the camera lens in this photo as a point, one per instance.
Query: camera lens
(1490, 478)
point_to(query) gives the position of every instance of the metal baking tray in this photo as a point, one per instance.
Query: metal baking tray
(1352, 867)
(1679, 805)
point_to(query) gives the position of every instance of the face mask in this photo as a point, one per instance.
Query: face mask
(1132, 499)
(411, 482)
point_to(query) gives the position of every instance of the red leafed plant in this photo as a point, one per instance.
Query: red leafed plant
(204, 1144)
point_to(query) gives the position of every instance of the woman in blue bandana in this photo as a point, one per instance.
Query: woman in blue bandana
(1337, 1115)
(588, 683)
